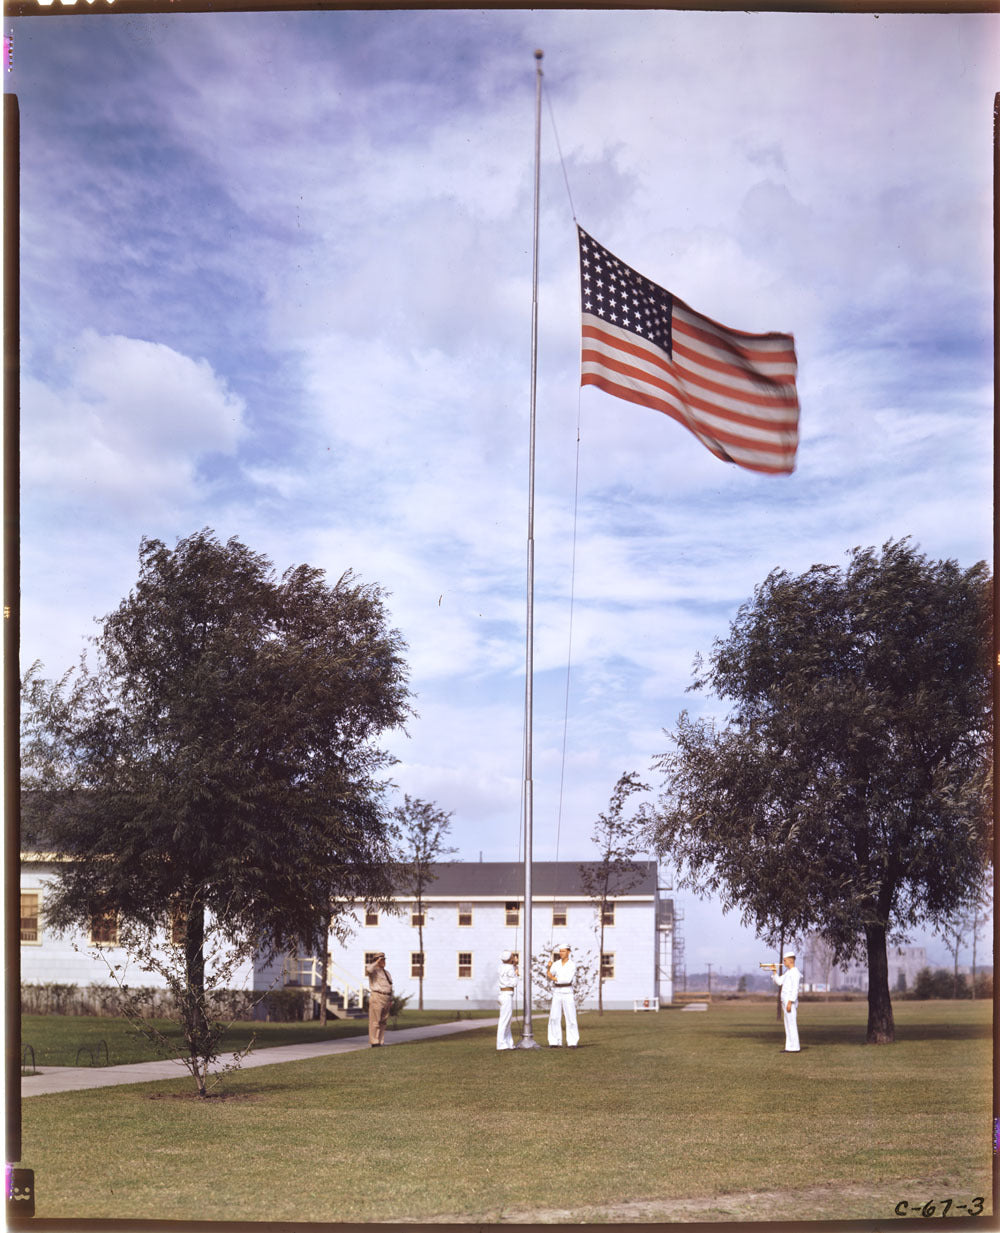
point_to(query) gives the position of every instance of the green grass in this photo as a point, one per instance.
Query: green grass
(699, 1116)
(56, 1039)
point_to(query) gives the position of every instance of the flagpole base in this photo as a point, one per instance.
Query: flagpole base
(527, 1042)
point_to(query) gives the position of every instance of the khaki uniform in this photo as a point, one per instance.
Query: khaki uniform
(379, 1001)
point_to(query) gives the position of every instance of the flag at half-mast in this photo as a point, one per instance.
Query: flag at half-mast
(734, 391)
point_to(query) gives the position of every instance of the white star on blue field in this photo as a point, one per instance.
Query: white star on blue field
(276, 280)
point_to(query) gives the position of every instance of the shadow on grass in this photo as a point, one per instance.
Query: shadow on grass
(854, 1033)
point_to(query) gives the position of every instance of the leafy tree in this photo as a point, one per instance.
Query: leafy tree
(619, 840)
(222, 756)
(953, 930)
(422, 828)
(588, 966)
(939, 983)
(848, 791)
(819, 956)
(979, 919)
(201, 1011)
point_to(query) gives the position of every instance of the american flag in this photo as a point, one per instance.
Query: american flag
(734, 391)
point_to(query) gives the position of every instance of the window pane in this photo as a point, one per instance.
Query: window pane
(417, 920)
(417, 963)
(609, 914)
(465, 914)
(465, 964)
(559, 916)
(104, 930)
(371, 918)
(607, 964)
(29, 916)
(513, 913)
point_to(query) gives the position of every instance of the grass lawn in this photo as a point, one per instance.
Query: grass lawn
(57, 1039)
(656, 1117)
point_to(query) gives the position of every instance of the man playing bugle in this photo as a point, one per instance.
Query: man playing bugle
(788, 983)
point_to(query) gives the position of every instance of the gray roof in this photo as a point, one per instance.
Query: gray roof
(472, 879)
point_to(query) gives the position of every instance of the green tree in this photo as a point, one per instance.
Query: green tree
(221, 758)
(848, 790)
(620, 839)
(421, 828)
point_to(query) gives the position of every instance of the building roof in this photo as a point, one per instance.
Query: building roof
(549, 879)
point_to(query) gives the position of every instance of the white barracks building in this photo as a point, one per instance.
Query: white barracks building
(472, 913)
(475, 911)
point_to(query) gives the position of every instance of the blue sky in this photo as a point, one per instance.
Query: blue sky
(276, 280)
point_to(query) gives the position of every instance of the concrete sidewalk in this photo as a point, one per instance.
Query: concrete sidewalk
(78, 1078)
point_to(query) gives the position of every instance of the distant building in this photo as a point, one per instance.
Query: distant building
(905, 962)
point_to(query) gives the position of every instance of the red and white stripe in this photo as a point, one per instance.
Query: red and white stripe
(734, 391)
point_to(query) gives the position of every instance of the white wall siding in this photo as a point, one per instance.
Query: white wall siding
(70, 958)
(631, 940)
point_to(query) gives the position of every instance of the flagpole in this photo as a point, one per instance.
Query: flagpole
(527, 1040)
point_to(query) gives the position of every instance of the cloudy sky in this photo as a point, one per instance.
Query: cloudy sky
(276, 280)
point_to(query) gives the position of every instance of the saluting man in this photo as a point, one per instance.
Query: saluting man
(561, 972)
(788, 983)
(508, 983)
(379, 999)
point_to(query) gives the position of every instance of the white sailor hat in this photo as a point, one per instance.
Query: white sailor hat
(789, 954)
(506, 956)
(562, 944)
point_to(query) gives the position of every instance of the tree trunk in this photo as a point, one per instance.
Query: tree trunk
(195, 1021)
(600, 965)
(325, 972)
(420, 943)
(881, 1027)
(975, 935)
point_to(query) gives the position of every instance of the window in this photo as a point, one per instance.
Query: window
(371, 916)
(104, 930)
(607, 965)
(465, 914)
(370, 957)
(417, 963)
(465, 964)
(417, 919)
(30, 910)
(608, 915)
(558, 916)
(513, 911)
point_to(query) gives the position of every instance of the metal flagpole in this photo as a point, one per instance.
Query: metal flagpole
(527, 1040)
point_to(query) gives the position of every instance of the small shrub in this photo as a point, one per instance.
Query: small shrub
(287, 1005)
(398, 1004)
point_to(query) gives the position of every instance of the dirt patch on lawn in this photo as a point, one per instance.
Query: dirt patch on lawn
(830, 1201)
(218, 1096)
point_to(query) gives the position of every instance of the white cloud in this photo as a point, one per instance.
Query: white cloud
(127, 425)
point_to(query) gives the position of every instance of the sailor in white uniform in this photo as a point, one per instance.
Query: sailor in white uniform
(508, 983)
(561, 972)
(788, 983)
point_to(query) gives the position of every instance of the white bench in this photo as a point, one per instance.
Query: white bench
(646, 1004)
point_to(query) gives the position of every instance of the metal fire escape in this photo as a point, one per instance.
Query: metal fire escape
(671, 975)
